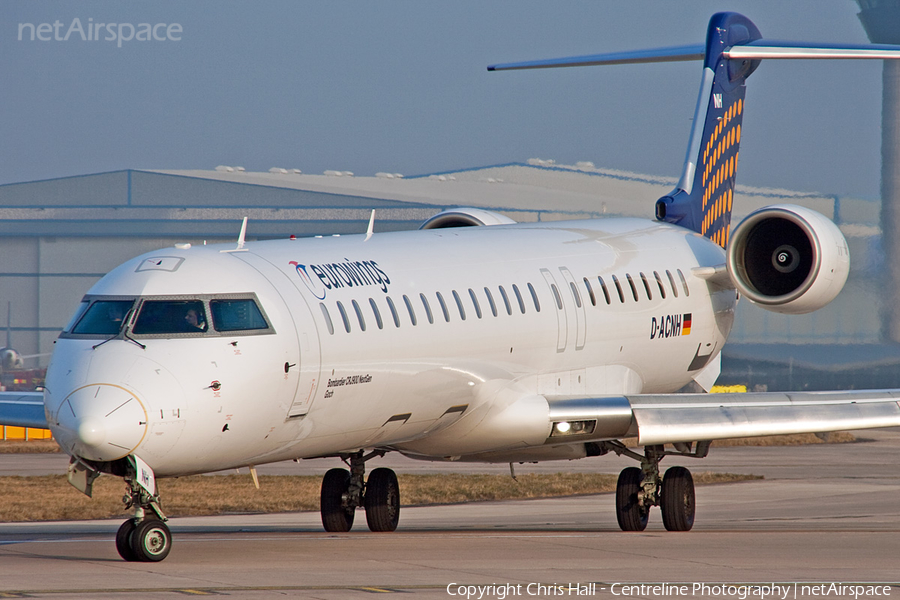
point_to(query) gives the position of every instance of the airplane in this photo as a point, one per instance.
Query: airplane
(10, 358)
(473, 338)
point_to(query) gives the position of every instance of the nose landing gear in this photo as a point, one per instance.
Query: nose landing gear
(146, 537)
(343, 492)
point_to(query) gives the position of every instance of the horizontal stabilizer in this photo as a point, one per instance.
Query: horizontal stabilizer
(22, 409)
(670, 54)
(760, 49)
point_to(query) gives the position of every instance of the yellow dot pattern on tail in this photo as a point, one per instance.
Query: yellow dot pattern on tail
(719, 158)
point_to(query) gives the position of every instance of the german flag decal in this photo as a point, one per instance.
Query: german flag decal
(686, 325)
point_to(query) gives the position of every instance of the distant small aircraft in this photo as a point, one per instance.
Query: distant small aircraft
(471, 339)
(10, 358)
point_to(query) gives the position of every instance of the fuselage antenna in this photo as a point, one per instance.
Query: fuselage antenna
(243, 234)
(371, 229)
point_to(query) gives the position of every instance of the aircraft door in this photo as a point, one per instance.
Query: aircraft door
(304, 363)
(560, 309)
(578, 299)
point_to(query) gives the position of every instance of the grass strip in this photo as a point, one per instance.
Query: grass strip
(51, 498)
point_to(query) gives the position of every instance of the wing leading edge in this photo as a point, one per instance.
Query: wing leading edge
(673, 418)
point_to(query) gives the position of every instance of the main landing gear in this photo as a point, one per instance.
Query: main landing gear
(343, 491)
(640, 489)
(146, 537)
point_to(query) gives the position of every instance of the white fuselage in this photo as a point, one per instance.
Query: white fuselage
(314, 383)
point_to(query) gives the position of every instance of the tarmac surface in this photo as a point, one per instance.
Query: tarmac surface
(824, 514)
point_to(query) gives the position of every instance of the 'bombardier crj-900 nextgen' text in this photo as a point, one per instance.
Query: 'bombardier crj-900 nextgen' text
(473, 338)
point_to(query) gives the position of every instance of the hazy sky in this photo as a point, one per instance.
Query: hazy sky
(401, 86)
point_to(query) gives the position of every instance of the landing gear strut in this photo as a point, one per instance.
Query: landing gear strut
(638, 490)
(344, 491)
(146, 537)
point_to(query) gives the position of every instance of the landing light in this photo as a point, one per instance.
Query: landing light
(569, 428)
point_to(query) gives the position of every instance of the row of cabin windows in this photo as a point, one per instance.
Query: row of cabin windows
(646, 283)
(620, 292)
(457, 303)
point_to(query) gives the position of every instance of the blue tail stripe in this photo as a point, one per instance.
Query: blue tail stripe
(704, 196)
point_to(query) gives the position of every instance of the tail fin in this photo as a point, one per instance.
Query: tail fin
(702, 199)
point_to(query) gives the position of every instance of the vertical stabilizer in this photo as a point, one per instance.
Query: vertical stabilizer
(703, 198)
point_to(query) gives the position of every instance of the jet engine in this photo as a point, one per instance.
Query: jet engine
(788, 259)
(10, 360)
(465, 217)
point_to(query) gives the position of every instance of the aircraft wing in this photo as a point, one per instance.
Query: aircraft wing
(22, 409)
(669, 418)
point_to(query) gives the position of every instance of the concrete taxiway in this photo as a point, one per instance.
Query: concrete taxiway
(823, 514)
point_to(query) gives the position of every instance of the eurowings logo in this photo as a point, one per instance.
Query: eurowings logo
(670, 326)
(315, 287)
(321, 278)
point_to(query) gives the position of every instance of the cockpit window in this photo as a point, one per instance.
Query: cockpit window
(103, 317)
(77, 316)
(170, 316)
(203, 315)
(236, 315)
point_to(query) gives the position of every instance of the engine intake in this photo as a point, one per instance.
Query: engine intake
(788, 259)
(465, 217)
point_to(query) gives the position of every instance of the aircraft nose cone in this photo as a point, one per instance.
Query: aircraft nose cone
(100, 422)
(90, 431)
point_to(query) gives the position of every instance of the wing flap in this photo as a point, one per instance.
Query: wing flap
(691, 417)
(22, 409)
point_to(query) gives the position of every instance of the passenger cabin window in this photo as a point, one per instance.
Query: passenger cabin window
(409, 307)
(459, 305)
(534, 298)
(672, 283)
(344, 316)
(393, 311)
(237, 315)
(687, 292)
(556, 296)
(443, 307)
(104, 317)
(359, 316)
(427, 308)
(505, 300)
(619, 289)
(659, 282)
(575, 294)
(605, 291)
(475, 303)
(170, 316)
(631, 284)
(519, 298)
(646, 286)
(490, 298)
(327, 317)
(377, 312)
(587, 286)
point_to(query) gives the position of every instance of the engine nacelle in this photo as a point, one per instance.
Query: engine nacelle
(465, 217)
(788, 259)
(10, 360)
